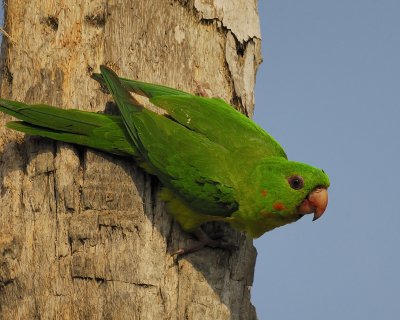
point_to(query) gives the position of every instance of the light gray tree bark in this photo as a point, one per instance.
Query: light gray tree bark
(82, 233)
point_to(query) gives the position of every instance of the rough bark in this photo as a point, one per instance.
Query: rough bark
(82, 233)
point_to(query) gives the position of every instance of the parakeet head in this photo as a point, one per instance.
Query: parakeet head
(288, 190)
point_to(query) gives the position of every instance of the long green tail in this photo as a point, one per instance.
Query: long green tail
(95, 130)
(99, 131)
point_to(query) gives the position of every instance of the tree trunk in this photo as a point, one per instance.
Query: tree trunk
(82, 233)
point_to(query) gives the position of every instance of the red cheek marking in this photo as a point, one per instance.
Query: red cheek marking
(279, 206)
(264, 193)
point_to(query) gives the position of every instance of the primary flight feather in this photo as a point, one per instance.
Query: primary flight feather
(215, 164)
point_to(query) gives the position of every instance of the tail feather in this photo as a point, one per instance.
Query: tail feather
(55, 118)
(95, 130)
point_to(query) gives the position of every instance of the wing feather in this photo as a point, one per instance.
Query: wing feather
(184, 160)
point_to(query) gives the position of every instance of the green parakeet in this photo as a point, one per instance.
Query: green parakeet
(214, 163)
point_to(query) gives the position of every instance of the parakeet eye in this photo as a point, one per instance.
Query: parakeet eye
(296, 182)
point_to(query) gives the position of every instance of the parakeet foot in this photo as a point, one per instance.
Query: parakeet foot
(205, 241)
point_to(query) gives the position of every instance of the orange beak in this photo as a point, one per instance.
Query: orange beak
(316, 202)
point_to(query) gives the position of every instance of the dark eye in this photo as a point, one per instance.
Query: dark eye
(296, 182)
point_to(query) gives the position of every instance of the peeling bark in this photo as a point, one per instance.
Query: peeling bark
(82, 233)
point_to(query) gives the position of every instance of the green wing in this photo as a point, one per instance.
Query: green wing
(197, 169)
(221, 123)
(211, 117)
(145, 89)
(95, 130)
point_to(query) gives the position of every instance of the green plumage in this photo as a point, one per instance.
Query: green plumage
(214, 163)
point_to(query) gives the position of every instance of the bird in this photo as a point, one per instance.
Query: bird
(213, 162)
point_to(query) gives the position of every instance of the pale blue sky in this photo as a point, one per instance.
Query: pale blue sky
(329, 92)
